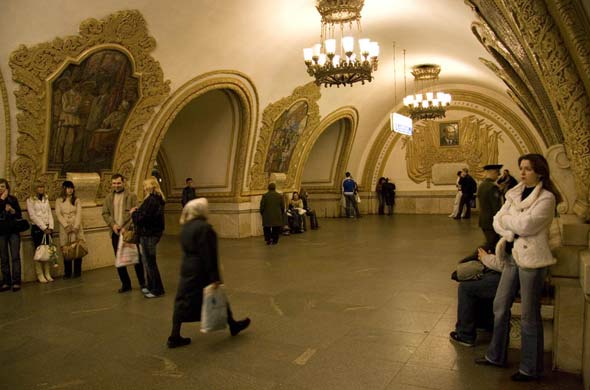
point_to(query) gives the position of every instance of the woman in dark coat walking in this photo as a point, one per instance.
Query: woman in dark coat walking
(198, 270)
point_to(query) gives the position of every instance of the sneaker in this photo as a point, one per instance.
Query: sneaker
(15, 287)
(144, 290)
(520, 377)
(5, 287)
(238, 326)
(175, 342)
(454, 336)
(149, 295)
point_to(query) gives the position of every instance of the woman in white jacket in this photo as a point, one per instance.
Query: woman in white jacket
(523, 223)
(40, 215)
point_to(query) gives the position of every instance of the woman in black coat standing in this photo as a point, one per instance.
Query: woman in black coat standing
(198, 270)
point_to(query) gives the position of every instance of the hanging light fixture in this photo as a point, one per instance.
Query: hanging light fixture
(430, 104)
(333, 65)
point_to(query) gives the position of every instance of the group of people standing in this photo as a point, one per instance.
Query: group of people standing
(279, 216)
(68, 211)
(386, 195)
(516, 258)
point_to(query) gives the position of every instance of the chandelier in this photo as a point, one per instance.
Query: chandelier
(431, 104)
(332, 65)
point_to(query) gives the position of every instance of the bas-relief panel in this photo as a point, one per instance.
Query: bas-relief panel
(89, 106)
(286, 133)
(49, 126)
(432, 144)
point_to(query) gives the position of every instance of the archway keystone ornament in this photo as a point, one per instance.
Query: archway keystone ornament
(34, 68)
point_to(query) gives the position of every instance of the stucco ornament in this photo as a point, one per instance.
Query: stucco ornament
(477, 146)
(307, 95)
(36, 66)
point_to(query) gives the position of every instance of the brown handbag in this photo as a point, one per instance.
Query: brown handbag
(74, 250)
(129, 235)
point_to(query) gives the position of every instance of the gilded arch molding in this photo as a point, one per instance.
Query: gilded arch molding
(34, 67)
(474, 102)
(549, 41)
(309, 93)
(228, 80)
(7, 127)
(350, 115)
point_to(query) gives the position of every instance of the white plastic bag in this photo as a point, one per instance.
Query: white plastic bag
(127, 254)
(213, 309)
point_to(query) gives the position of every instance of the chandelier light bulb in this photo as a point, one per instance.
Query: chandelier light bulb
(317, 49)
(374, 49)
(429, 96)
(330, 46)
(322, 59)
(418, 97)
(336, 60)
(308, 54)
(348, 44)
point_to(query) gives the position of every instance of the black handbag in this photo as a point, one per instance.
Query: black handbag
(21, 225)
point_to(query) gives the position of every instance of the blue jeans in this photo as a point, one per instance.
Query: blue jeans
(474, 308)
(148, 249)
(530, 282)
(12, 242)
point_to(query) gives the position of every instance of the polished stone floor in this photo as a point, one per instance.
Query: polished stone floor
(358, 304)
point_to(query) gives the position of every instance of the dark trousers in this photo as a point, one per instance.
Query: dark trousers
(10, 250)
(313, 219)
(475, 307)
(148, 253)
(122, 271)
(465, 201)
(271, 233)
(77, 267)
(492, 239)
(381, 199)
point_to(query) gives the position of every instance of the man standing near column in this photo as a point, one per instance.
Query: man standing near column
(468, 190)
(490, 201)
(272, 208)
(188, 192)
(115, 212)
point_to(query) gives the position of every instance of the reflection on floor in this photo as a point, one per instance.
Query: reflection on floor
(358, 304)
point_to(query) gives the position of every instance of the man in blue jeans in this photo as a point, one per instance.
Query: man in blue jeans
(475, 301)
(349, 189)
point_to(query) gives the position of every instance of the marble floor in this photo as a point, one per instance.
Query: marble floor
(357, 304)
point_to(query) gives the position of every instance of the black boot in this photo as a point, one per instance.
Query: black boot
(77, 268)
(67, 269)
(236, 327)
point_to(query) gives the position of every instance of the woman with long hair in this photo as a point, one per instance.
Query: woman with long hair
(523, 223)
(68, 211)
(199, 269)
(41, 217)
(10, 212)
(148, 221)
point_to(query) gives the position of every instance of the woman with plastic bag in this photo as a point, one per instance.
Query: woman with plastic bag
(199, 270)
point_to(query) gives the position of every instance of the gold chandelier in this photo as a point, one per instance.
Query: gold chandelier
(431, 104)
(345, 68)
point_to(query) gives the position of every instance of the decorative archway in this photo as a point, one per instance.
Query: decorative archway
(234, 82)
(350, 115)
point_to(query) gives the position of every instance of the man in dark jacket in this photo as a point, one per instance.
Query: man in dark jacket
(468, 190)
(489, 203)
(188, 192)
(272, 207)
(388, 189)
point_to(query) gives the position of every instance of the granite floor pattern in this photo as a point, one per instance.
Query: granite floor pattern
(357, 304)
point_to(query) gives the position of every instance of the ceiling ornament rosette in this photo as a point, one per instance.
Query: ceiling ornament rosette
(34, 67)
(309, 93)
(533, 40)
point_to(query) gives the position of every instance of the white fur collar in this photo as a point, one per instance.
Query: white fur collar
(515, 195)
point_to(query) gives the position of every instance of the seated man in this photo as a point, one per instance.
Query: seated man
(475, 301)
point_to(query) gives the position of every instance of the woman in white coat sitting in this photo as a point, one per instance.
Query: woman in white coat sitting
(42, 225)
(523, 223)
(69, 214)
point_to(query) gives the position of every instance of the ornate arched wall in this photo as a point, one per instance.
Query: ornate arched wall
(476, 102)
(350, 116)
(230, 81)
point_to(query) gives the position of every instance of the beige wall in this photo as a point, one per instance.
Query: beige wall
(320, 167)
(201, 141)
